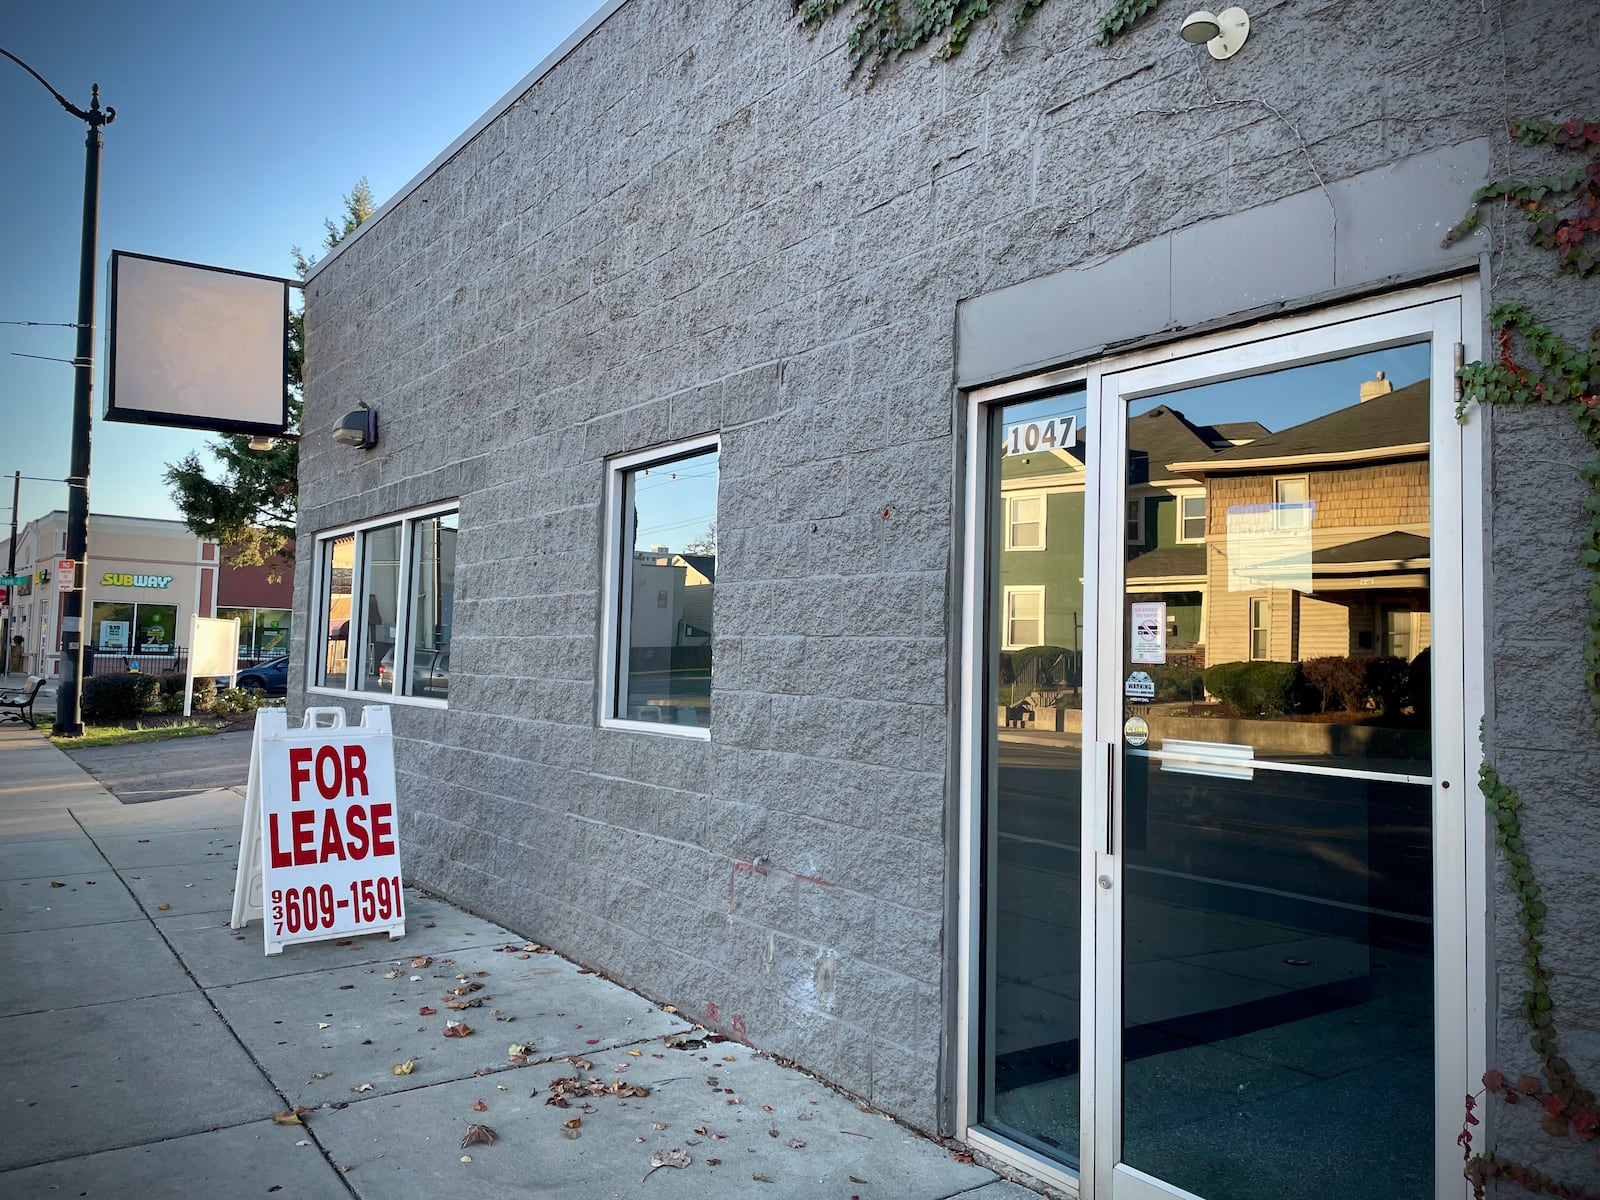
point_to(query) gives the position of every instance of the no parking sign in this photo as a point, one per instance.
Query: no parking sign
(319, 856)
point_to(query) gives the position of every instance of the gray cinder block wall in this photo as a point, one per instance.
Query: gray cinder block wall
(690, 223)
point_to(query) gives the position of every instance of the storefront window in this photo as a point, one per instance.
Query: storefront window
(111, 626)
(247, 627)
(433, 576)
(155, 628)
(337, 561)
(387, 604)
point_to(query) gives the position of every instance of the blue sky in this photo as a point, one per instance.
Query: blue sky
(239, 127)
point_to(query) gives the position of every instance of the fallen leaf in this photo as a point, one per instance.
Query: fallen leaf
(729, 1058)
(302, 1142)
(575, 1123)
(713, 1162)
(365, 1087)
(772, 1133)
(466, 1158)
(420, 961)
(393, 974)
(323, 1025)
(591, 1041)
(636, 1053)
(766, 1108)
(479, 1106)
(700, 1129)
(669, 1008)
(856, 1179)
(658, 1125)
(761, 1178)
(320, 1074)
(961, 1156)
(406, 1067)
(667, 1158)
(456, 1029)
(796, 1144)
(289, 1117)
(426, 1011)
(478, 1135)
(163, 907)
(53, 883)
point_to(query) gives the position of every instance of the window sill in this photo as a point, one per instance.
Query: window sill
(696, 732)
(378, 698)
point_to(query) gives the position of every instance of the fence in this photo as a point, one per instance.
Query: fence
(97, 661)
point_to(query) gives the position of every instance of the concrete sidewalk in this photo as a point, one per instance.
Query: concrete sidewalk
(149, 1046)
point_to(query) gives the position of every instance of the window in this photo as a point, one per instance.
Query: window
(1024, 617)
(1192, 518)
(1025, 522)
(1291, 503)
(661, 569)
(1260, 640)
(385, 601)
(1135, 522)
(263, 632)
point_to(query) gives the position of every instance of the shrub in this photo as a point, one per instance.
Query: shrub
(118, 697)
(1258, 689)
(1178, 683)
(1389, 684)
(236, 700)
(205, 691)
(1340, 680)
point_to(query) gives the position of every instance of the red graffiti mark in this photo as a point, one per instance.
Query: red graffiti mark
(739, 868)
(736, 1023)
(760, 867)
(711, 1011)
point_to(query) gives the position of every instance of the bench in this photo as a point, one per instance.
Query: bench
(17, 704)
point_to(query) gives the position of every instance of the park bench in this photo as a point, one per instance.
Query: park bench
(16, 704)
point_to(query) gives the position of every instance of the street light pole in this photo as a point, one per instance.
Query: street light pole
(69, 717)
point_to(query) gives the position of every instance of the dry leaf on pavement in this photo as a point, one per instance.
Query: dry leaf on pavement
(479, 1106)
(365, 1087)
(575, 1123)
(457, 1030)
(478, 1135)
(420, 961)
(667, 1158)
(289, 1117)
(406, 1067)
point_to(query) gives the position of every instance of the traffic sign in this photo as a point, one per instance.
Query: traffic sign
(66, 573)
(13, 580)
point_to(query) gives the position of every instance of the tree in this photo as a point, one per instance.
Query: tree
(249, 498)
(706, 543)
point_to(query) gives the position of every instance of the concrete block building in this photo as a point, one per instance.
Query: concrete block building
(755, 444)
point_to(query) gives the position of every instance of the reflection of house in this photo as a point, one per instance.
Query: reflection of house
(1316, 537)
(1165, 519)
(672, 599)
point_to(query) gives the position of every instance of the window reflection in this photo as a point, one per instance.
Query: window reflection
(668, 580)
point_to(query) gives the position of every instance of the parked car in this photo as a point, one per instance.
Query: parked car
(271, 677)
(430, 672)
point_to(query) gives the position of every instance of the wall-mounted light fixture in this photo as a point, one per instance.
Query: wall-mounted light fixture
(358, 428)
(1221, 33)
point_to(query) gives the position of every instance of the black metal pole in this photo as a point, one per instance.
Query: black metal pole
(69, 718)
(11, 570)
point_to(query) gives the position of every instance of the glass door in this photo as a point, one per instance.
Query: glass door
(1030, 728)
(1275, 650)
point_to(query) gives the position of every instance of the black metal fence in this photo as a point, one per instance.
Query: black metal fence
(97, 661)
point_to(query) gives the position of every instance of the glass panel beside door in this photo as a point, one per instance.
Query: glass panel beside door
(1274, 822)
(1035, 642)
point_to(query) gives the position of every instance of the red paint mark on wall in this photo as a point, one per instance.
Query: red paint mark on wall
(760, 867)
(712, 1013)
(736, 1023)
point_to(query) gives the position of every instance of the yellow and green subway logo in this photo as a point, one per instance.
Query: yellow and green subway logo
(116, 579)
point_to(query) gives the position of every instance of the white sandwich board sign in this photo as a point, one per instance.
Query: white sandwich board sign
(213, 652)
(319, 855)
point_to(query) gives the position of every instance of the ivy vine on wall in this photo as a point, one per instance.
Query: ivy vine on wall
(1535, 366)
(886, 29)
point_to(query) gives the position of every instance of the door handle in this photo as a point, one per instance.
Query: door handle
(1108, 761)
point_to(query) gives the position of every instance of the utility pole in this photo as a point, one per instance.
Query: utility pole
(69, 717)
(11, 569)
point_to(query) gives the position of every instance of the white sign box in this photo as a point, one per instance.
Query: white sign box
(320, 856)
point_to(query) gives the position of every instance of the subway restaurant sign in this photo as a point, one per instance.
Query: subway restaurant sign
(114, 579)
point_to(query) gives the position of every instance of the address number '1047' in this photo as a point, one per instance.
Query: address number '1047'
(1057, 433)
(311, 908)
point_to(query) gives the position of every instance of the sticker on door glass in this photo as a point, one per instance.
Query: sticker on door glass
(1149, 625)
(1139, 686)
(1136, 731)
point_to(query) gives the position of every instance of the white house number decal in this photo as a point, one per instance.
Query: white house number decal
(1058, 433)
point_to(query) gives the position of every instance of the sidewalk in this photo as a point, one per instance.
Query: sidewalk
(149, 1046)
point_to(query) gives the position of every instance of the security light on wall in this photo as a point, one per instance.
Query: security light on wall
(357, 428)
(1221, 33)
